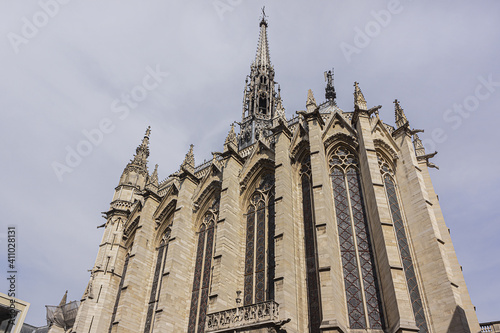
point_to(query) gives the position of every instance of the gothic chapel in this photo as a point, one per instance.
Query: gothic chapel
(325, 222)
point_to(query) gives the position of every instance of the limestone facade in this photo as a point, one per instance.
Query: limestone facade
(326, 222)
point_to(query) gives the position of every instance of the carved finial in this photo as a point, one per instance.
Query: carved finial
(359, 99)
(311, 102)
(400, 115)
(148, 131)
(417, 144)
(330, 93)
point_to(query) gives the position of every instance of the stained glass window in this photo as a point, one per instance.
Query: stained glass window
(203, 270)
(115, 308)
(259, 267)
(156, 285)
(397, 219)
(360, 278)
(312, 279)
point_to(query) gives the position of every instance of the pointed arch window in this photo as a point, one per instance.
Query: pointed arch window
(360, 278)
(203, 270)
(312, 277)
(259, 267)
(397, 218)
(161, 258)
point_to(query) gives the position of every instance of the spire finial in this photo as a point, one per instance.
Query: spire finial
(400, 114)
(330, 93)
(359, 99)
(263, 20)
(148, 131)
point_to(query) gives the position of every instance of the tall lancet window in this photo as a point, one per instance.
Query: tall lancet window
(161, 258)
(259, 268)
(360, 279)
(203, 270)
(313, 291)
(397, 219)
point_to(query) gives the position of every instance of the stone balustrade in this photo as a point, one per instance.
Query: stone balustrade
(245, 316)
(491, 327)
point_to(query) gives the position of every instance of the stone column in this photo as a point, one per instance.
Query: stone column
(230, 234)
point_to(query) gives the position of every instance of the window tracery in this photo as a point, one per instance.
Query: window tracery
(259, 268)
(360, 280)
(203, 269)
(312, 278)
(391, 190)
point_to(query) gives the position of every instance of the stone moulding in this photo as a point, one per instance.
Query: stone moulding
(244, 317)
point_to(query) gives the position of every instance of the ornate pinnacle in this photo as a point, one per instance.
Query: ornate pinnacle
(400, 115)
(280, 109)
(359, 99)
(154, 176)
(311, 101)
(189, 159)
(64, 299)
(330, 93)
(142, 151)
(419, 147)
(231, 136)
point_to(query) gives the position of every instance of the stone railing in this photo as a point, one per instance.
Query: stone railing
(493, 327)
(244, 316)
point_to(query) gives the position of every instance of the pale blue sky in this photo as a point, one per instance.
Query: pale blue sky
(70, 73)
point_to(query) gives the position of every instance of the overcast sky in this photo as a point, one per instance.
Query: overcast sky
(69, 72)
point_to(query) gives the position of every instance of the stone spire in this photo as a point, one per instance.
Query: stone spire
(400, 115)
(136, 171)
(330, 93)
(231, 136)
(359, 99)
(419, 147)
(311, 101)
(188, 163)
(262, 58)
(259, 100)
(64, 300)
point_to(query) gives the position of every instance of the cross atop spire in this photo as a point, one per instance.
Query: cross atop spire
(400, 114)
(262, 57)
